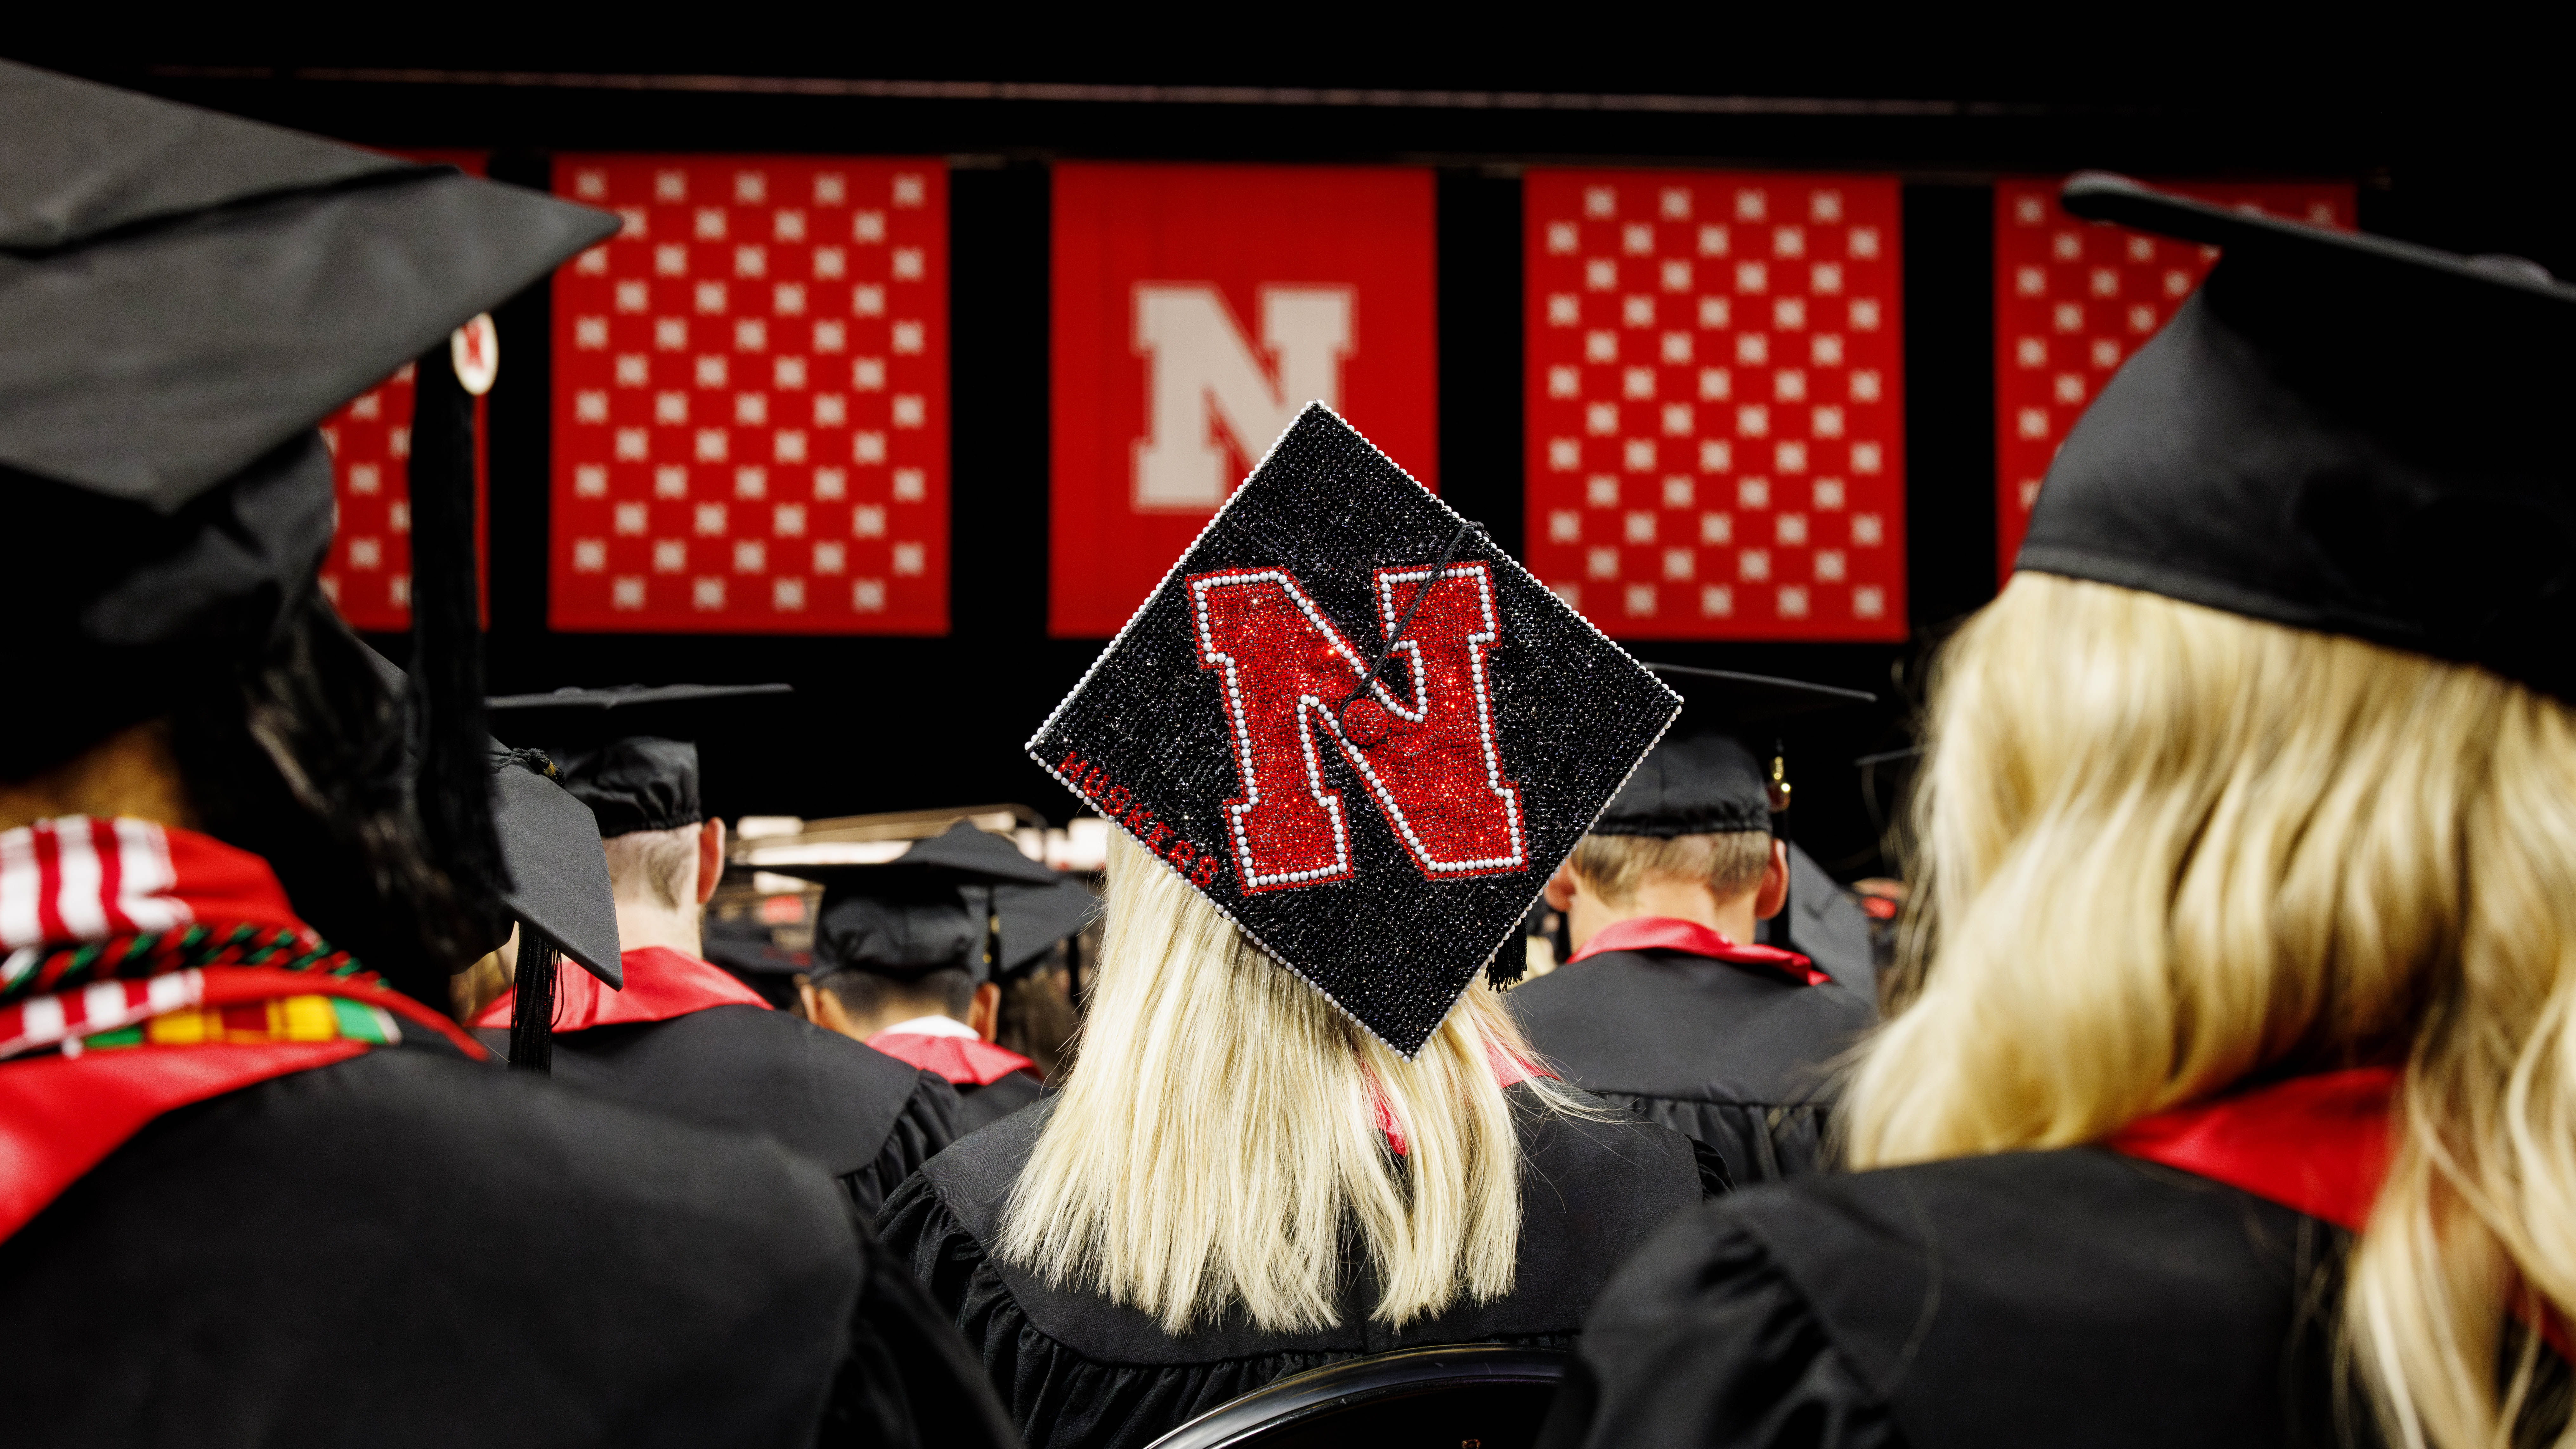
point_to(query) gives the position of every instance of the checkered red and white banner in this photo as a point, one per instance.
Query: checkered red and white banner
(1715, 402)
(751, 398)
(2074, 299)
(367, 573)
(1196, 310)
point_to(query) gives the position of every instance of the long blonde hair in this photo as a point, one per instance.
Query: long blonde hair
(2165, 847)
(1217, 1142)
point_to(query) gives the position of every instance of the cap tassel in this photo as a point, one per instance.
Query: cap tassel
(453, 789)
(1367, 726)
(532, 1010)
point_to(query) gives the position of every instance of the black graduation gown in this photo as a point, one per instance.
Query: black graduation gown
(411, 1249)
(2039, 1298)
(982, 1106)
(868, 1119)
(1077, 1372)
(1729, 1054)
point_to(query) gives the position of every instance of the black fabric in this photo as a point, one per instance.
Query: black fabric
(1829, 929)
(408, 1250)
(2050, 1298)
(909, 1382)
(1035, 917)
(2337, 433)
(639, 783)
(985, 1105)
(864, 1117)
(1147, 734)
(1731, 1055)
(1702, 784)
(1073, 1369)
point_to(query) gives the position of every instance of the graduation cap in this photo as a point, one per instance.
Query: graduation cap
(1034, 917)
(186, 295)
(2338, 432)
(630, 753)
(1363, 732)
(1722, 769)
(937, 905)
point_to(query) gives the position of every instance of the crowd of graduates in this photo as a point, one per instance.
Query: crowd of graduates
(1453, 1046)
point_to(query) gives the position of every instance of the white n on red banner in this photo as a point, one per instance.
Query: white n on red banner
(2074, 299)
(751, 398)
(1715, 402)
(1196, 310)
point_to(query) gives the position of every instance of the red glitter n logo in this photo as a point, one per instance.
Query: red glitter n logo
(1436, 772)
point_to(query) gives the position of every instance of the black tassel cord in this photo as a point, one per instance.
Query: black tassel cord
(532, 1010)
(453, 790)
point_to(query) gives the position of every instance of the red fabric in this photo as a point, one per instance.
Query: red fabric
(2074, 300)
(751, 398)
(61, 1116)
(82, 878)
(1428, 760)
(1715, 402)
(963, 1060)
(660, 984)
(1196, 309)
(1668, 933)
(2317, 1144)
(367, 572)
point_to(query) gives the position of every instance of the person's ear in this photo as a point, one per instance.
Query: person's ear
(984, 1013)
(710, 858)
(823, 1008)
(1774, 891)
(1562, 887)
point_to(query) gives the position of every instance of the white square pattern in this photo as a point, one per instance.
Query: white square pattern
(757, 361)
(1714, 398)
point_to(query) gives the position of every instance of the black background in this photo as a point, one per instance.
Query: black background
(2456, 135)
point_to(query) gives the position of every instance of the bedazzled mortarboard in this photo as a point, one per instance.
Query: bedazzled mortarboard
(629, 753)
(1359, 729)
(2337, 432)
(185, 295)
(1720, 770)
(898, 917)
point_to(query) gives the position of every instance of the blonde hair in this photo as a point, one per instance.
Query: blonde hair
(1729, 863)
(663, 863)
(2165, 847)
(1216, 1143)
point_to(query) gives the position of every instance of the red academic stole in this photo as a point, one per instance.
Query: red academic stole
(2317, 1144)
(1668, 933)
(964, 1061)
(660, 984)
(148, 968)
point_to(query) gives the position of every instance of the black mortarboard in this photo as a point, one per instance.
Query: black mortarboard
(1035, 917)
(899, 925)
(186, 294)
(558, 874)
(1716, 772)
(892, 917)
(1379, 839)
(629, 753)
(2337, 432)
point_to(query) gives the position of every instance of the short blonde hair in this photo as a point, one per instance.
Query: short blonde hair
(1729, 864)
(1216, 1142)
(663, 863)
(2166, 847)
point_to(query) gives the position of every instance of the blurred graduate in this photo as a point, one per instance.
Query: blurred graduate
(254, 1189)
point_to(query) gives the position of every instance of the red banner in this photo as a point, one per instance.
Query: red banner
(751, 398)
(367, 573)
(1716, 403)
(1196, 310)
(2074, 299)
